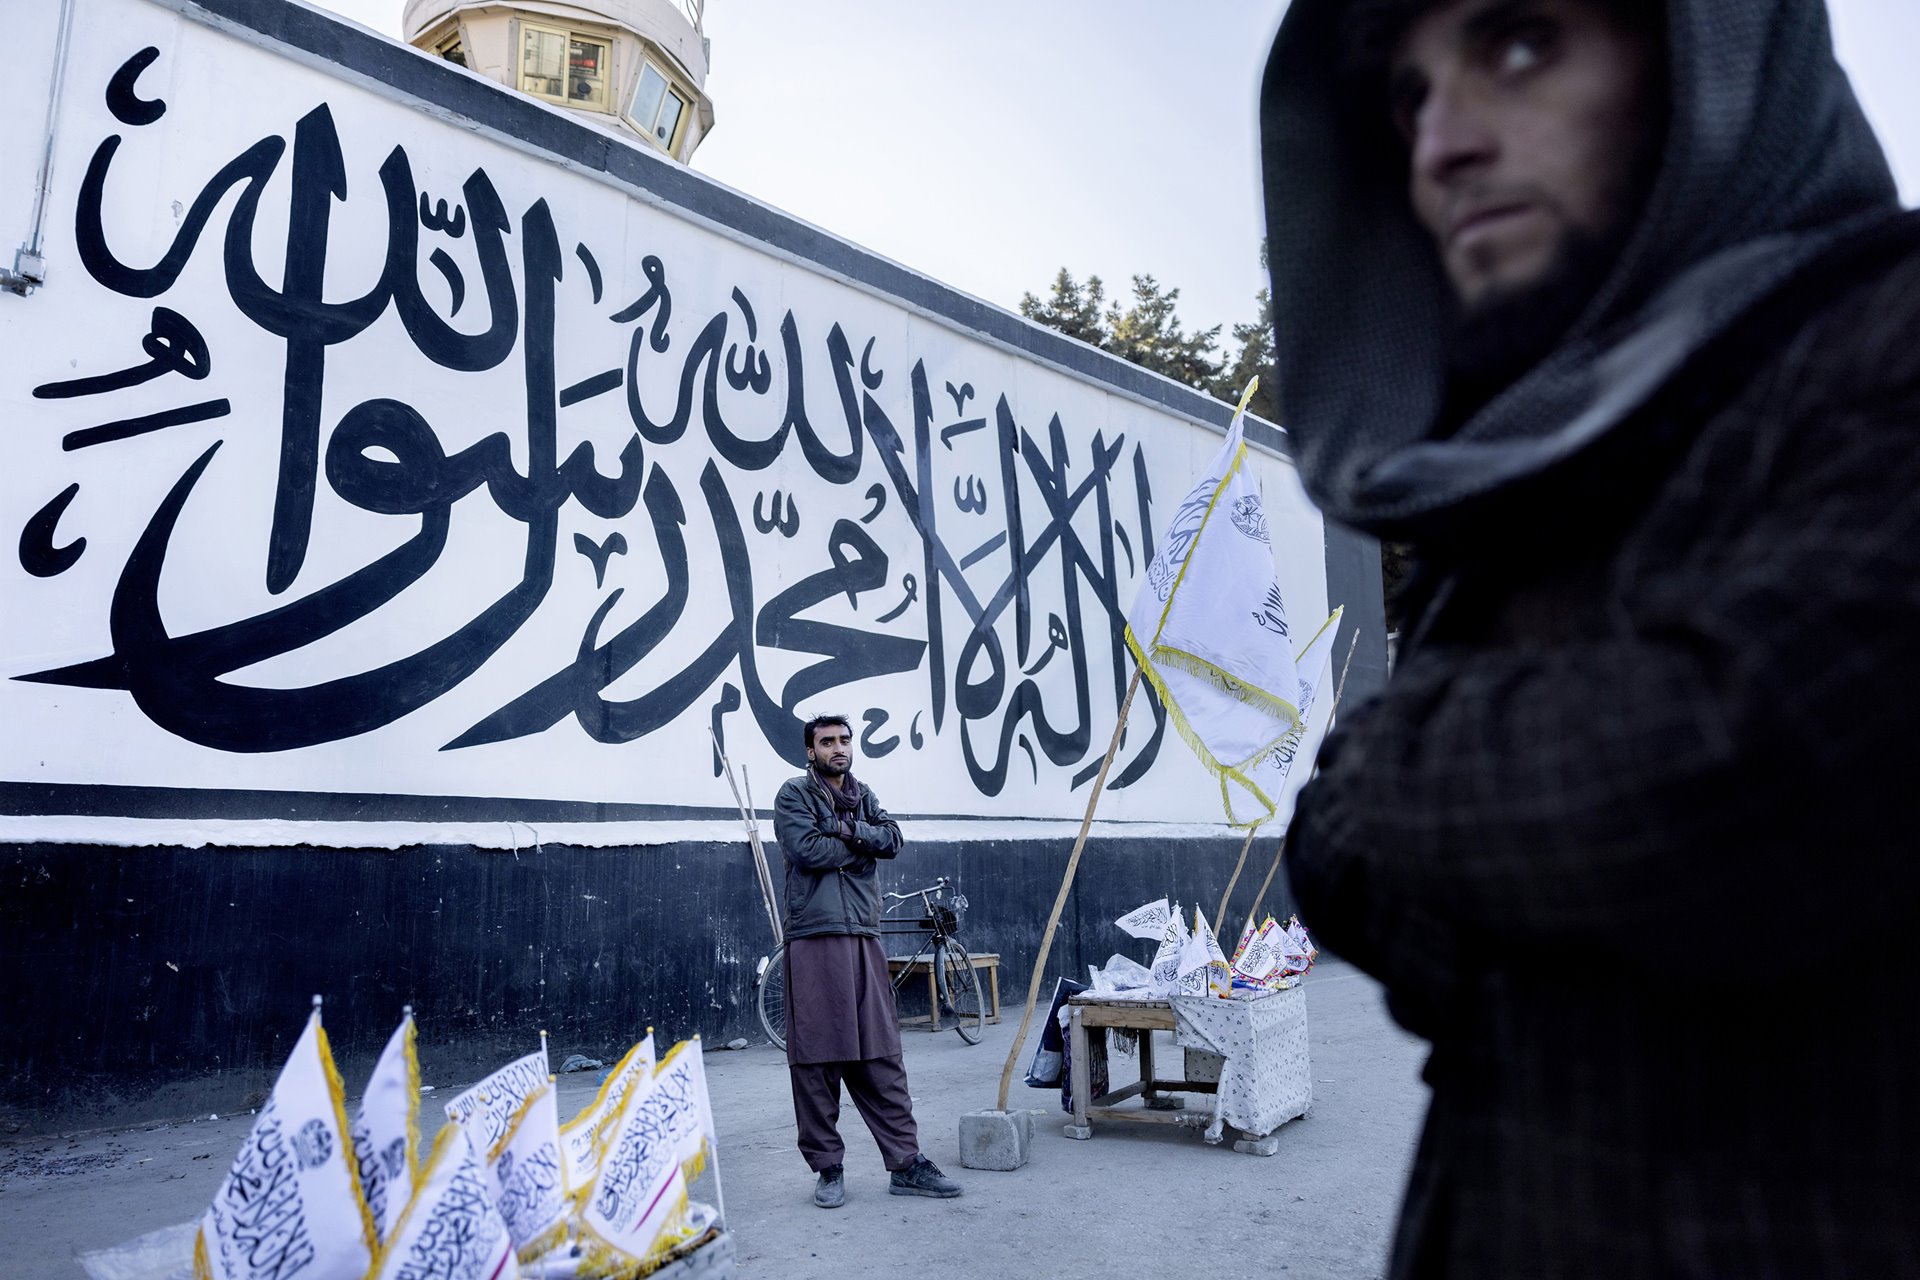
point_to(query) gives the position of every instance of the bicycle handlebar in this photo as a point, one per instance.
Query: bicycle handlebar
(938, 886)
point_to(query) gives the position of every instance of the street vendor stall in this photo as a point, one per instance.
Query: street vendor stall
(1260, 1076)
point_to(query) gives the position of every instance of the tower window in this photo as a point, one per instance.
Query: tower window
(658, 106)
(563, 66)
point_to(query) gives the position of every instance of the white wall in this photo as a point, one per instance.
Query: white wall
(364, 552)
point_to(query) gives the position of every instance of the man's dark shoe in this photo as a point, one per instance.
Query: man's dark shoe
(923, 1178)
(831, 1191)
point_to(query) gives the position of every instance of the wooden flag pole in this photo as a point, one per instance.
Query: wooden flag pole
(1278, 853)
(760, 869)
(1220, 912)
(1066, 884)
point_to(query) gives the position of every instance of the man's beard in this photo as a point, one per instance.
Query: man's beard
(1507, 333)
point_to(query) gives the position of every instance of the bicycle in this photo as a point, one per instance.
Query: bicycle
(956, 985)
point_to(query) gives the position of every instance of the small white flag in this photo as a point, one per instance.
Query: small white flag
(1149, 922)
(529, 1176)
(291, 1207)
(486, 1107)
(681, 1084)
(583, 1137)
(386, 1129)
(1165, 969)
(451, 1229)
(635, 1209)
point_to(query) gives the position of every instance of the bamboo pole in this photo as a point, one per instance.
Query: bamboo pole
(1066, 884)
(761, 871)
(1278, 853)
(1220, 912)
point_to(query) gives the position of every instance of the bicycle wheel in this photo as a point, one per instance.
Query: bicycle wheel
(960, 991)
(772, 996)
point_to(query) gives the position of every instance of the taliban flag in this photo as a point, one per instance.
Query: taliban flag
(485, 1109)
(291, 1206)
(635, 1211)
(1209, 627)
(582, 1137)
(1262, 784)
(529, 1176)
(681, 1084)
(386, 1129)
(451, 1229)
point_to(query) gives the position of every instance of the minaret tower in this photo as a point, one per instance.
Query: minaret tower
(637, 68)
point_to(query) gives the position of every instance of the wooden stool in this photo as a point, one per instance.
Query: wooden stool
(986, 964)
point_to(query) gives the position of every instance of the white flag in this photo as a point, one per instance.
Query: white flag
(291, 1207)
(1219, 973)
(583, 1137)
(681, 1084)
(451, 1229)
(386, 1129)
(1209, 627)
(486, 1107)
(1149, 922)
(1259, 958)
(1260, 789)
(529, 1177)
(634, 1211)
(1165, 969)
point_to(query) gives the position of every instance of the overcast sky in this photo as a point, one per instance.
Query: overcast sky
(990, 143)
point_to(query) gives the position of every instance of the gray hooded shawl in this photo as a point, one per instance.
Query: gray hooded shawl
(1768, 164)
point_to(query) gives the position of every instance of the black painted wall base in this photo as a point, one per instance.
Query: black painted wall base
(140, 984)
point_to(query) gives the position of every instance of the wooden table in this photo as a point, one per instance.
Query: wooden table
(1088, 1012)
(986, 968)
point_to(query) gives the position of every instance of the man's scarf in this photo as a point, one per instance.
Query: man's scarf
(846, 802)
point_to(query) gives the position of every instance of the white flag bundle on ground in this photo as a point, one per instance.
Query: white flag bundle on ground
(1261, 785)
(386, 1129)
(583, 1137)
(451, 1229)
(528, 1176)
(291, 1206)
(1149, 922)
(486, 1108)
(1209, 627)
(635, 1209)
(681, 1086)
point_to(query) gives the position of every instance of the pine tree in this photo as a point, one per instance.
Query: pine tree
(1150, 335)
(1071, 308)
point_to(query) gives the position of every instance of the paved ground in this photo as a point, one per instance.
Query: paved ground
(1129, 1200)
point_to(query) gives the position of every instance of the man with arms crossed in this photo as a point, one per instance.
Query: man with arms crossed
(1608, 309)
(841, 1023)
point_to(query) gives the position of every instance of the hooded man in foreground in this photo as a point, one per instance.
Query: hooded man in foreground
(1607, 308)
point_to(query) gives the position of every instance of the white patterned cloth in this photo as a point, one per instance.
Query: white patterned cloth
(1266, 1079)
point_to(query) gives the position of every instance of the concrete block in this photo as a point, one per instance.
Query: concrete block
(999, 1140)
(1247, 1145)
(1078, 1132)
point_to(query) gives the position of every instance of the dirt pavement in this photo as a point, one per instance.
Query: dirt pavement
(1132, 1198)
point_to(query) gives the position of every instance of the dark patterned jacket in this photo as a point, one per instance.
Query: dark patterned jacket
(1629, 837)
(832, 885)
